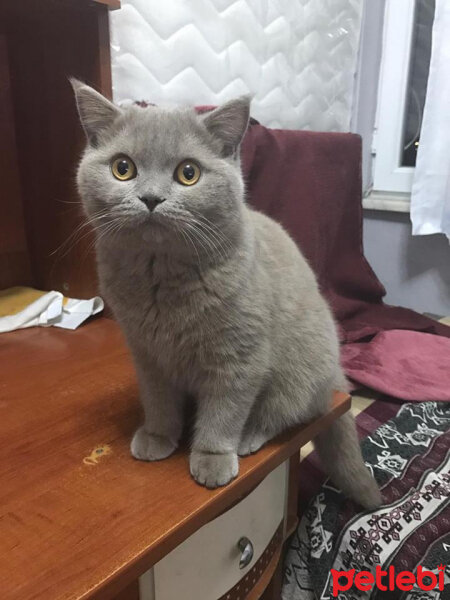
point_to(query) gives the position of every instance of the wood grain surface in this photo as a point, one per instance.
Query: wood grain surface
(76, 524)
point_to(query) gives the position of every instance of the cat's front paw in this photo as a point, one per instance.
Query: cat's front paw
(251, 442)
(147, 446)
(213, 470)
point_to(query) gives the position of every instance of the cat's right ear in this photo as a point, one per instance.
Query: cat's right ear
(96, 112)
(228, 123)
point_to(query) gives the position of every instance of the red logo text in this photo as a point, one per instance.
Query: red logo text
(387, 580)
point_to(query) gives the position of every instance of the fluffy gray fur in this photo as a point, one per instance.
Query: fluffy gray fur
(215, 300)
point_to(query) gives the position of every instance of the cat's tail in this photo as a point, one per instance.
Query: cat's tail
(340, 454)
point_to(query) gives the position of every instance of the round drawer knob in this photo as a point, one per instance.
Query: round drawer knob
(246, 548)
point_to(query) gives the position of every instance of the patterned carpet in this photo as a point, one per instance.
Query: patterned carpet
(409, 455)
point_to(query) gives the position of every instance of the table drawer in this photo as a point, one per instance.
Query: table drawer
(206, 565)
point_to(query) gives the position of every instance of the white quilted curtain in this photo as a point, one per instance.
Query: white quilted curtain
(430, 197)
(297, 58)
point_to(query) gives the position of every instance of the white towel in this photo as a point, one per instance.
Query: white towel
(50, 309)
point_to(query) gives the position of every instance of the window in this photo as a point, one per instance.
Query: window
(401, 95)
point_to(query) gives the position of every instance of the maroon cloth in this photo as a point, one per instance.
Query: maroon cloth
(383, 362)
(311, 183)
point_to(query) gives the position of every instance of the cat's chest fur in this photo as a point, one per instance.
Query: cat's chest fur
(168, 307)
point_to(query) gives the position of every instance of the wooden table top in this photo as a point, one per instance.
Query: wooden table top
(76, 523)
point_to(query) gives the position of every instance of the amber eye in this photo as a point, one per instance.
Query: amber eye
(123, 168)
(187, 172)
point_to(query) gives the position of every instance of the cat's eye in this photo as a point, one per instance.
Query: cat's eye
(187, 173)
(123, 168)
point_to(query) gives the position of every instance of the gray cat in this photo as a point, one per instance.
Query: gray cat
(215, 299)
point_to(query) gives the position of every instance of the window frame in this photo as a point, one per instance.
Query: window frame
(388, 174)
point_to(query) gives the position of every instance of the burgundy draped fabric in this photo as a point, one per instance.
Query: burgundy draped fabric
(311, 183)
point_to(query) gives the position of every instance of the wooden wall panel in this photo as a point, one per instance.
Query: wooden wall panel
(14, 262)
(47, 45)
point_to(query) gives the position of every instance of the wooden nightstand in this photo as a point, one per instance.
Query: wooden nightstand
(80, 518)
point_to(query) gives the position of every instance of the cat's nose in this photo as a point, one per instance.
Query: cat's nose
(151, 201)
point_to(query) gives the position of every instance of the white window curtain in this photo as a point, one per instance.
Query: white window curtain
(430, 195)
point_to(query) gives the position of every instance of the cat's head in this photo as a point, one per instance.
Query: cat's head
(159, 170)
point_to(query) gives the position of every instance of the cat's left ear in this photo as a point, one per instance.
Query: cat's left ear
(228, 123)
(96, 112)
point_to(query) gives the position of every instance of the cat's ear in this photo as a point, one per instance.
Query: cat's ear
(228, 123)
(96, 112)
